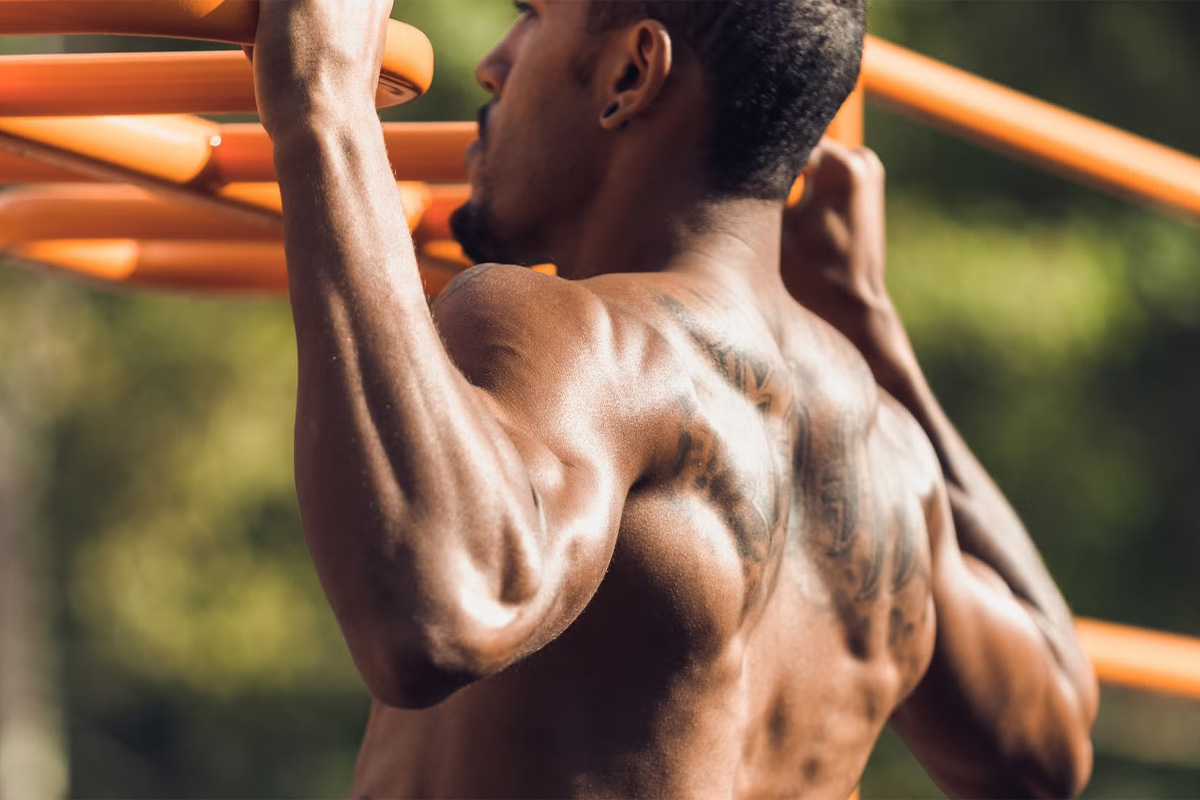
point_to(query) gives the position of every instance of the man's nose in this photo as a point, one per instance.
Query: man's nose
(492, 71)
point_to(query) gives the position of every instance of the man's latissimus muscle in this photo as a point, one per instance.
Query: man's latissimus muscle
(1007, 705)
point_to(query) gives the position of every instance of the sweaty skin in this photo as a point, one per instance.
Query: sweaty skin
(767, 601)
(652, 528)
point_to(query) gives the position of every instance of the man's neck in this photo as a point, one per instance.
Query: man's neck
(728, 239)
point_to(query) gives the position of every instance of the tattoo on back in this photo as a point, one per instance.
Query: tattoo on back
(837, 493)
(819, 491)
(755, 504)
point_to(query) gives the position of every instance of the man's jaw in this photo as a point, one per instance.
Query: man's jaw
(471, 227)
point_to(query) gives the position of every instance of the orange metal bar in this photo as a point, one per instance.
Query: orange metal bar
(1142, 659)
(126, 83)
(419, 151)
(443, 200)
(173, 149)
(1030, 129)
(847, 126)
(107, 211)
(407, 61)
(19, 169)
(223, 266)
(171, 154)
(188, 265)
(99, 211)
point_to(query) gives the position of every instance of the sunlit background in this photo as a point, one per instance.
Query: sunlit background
(171, 640)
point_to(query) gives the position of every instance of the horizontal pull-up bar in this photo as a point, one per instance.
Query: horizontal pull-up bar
(206, 266)
(113, 211)
(193, 152)
(133, 83)
(1142, 659)
(407, 69)
(258, 267)
(167, 154)
(107, 211)
(1029, 129)
(963, 104)
(433, 152)
(197, 265)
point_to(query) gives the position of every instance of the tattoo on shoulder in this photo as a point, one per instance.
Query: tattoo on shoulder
(758, 501)
(908, 562)
(747, 371)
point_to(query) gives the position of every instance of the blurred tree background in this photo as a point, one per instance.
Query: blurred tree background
(145, 440)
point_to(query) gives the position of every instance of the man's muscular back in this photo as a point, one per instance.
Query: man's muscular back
(767, 604)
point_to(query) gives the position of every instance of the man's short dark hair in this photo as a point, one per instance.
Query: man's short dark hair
(778, 70)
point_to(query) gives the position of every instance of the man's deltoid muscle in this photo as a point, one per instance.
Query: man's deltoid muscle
(686, 520)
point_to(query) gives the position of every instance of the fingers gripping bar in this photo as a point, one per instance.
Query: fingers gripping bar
(407, 69)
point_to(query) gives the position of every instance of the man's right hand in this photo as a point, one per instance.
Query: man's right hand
(317, 56)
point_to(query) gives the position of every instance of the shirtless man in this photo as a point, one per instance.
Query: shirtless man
(650, 528)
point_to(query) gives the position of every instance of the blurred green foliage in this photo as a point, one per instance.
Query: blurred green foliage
(1060, 328)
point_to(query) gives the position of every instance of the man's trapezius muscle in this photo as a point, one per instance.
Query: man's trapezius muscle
(649, 528)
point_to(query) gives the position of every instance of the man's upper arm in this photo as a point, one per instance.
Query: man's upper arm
(541, 354)
(993, 715)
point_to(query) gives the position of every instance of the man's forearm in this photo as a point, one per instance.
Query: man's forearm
(390, 439)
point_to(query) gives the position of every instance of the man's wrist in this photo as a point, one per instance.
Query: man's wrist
(312, 113)
(303, 134)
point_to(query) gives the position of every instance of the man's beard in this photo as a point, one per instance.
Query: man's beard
(474, 229)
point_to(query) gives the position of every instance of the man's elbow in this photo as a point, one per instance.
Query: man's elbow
(415, 676)
(1069, 775)
(1081, 763)
(417, 667)
(1076, 762)
(1063, 771)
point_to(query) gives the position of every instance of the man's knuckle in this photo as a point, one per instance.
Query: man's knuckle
(873, 161)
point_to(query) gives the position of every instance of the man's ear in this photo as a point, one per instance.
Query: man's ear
(636, 79)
